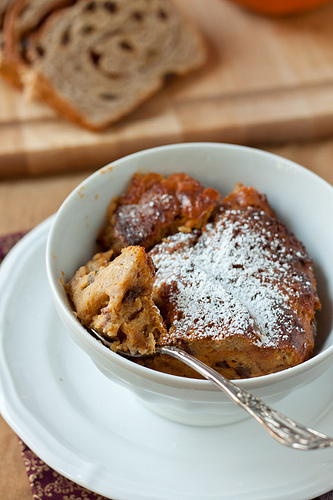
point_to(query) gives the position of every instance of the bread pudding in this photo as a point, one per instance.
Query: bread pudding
(116, 299)
(222, 279)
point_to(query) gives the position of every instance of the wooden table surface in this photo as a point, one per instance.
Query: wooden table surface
(27, 201)
(265, 80)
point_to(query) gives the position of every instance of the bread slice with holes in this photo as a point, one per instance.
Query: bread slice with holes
(20, 20)
(97, 60)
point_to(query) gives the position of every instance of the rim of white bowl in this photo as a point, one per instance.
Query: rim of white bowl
(142, 371)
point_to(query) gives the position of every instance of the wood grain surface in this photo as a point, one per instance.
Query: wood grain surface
(265, 81)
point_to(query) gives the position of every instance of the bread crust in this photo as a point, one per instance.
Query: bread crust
(154, 207)
(8, 68)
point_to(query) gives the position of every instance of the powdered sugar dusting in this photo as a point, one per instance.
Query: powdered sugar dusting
(241, 276)
(136, 220)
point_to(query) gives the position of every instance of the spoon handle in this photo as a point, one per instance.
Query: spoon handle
(282, 428)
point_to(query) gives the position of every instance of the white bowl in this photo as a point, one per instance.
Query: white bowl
(302, 200)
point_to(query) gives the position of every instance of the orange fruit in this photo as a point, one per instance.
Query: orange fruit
(280, 7)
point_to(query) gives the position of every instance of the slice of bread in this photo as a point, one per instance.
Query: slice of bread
(97, 60)
(20, 19)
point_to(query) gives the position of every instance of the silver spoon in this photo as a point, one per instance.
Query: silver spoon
(285, 430)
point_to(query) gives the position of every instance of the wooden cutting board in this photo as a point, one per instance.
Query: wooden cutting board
(266, 80)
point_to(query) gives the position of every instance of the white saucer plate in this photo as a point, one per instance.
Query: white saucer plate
(97, 434)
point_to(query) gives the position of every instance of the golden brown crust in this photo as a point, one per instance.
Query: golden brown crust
(10, 73)
(243, 196)
(8, 68)
(154, 207)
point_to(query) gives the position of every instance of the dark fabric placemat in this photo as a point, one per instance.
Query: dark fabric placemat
(7, 242)
(47, 484)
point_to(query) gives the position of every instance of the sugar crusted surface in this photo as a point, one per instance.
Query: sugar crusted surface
(143, 216)
(238, 278)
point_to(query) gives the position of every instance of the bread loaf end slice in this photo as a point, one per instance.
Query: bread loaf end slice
(19, 20)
